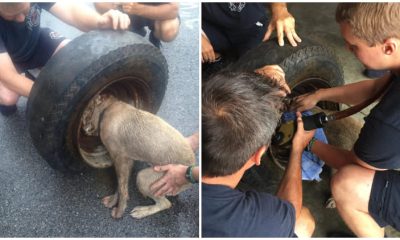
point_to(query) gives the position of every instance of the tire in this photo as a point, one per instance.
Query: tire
(120, 63)
(308, 67)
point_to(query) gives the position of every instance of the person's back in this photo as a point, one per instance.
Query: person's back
(232, 213)
(240, 112)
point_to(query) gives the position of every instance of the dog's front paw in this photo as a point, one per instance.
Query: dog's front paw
(110, 201)
(116, 213)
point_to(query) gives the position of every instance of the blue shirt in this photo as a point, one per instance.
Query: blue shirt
(379, 140)
(229, 212)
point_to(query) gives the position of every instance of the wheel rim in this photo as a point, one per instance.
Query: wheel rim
(280, 153)
(129, 89)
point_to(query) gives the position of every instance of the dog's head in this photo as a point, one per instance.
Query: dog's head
(93, 111)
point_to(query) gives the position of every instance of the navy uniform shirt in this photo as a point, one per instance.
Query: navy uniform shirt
(229, 212)
(379, 140)
(20, 39)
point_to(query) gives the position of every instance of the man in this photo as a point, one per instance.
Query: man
(25, 45)
(240, 112)
(235, 28)
(161, 18)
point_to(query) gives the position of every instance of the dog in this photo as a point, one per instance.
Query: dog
(130, 134)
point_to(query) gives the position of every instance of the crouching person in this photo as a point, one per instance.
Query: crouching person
(240, 112)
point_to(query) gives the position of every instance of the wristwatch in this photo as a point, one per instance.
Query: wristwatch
(189, 175)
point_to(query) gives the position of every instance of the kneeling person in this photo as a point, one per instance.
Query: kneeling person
(240, 112)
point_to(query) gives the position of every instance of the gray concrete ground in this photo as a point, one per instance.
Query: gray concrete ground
(37, 201)
(317, 20)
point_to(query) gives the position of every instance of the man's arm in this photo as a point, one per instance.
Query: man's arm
(173, 179)
(86, 19)
(154, 12)
(291, 188)
(11, 79)
(103, 7)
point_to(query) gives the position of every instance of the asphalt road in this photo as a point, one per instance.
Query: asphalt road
(37, 201)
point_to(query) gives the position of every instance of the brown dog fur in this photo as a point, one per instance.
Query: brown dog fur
(130, 134)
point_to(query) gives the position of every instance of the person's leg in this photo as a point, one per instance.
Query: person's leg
(48, 44)
(305, 224)
(166, 30)
(351, 189)
(8, 100)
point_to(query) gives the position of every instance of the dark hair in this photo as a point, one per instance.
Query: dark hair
(240, 112)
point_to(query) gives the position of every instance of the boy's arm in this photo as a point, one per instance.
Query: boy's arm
(338, 158)
(11, 79)
(86, 19)
(350, 94)
(290, 188)
(154, 12)
(353, 93)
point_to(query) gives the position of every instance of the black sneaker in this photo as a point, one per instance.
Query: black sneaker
(7, 110)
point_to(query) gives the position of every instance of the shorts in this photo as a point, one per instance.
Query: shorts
(139, 23)
(237, 40)
(384, 201)
(47, 44)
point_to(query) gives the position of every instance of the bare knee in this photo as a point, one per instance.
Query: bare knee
(8, 99)
(167, 30)
(305, 224)
(351, 185)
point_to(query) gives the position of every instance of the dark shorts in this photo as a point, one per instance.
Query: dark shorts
(237, 40)
(384, 201)
(47, 44)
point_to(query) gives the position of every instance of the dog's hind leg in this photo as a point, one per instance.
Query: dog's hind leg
(123, 167)
(144, 179)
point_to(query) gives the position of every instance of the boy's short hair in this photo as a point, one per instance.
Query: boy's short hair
(240, 112)
(372, 22)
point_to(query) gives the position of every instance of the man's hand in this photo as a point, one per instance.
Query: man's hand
(275, 72)
(284, 24)
(305, 102)
(113, 19)
(302, 137)
(171, 182)
(207, 50)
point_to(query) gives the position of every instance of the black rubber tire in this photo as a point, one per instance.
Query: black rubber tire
(120, 62)
(308, 60)
(307, 67)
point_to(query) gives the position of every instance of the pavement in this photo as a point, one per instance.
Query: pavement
(37, 201)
